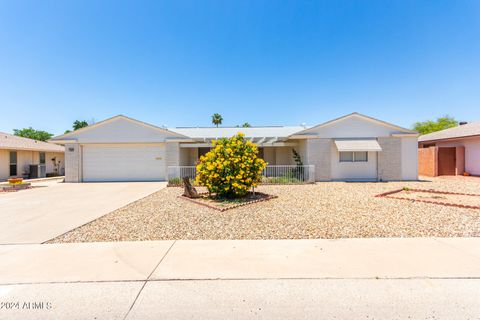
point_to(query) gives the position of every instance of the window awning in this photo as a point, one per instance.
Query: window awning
(357, 145)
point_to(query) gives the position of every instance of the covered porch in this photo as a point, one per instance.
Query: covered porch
(278, 153)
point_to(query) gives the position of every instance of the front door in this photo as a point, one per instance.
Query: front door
(446, 161)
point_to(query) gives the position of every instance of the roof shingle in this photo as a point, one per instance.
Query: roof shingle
(11, 142)
(466, 130)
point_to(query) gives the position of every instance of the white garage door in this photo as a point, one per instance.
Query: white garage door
(123, 163)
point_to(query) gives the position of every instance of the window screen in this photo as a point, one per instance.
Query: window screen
(13, 157)
(42, 157)
(361, 156)
(346, 156)
(13, 163)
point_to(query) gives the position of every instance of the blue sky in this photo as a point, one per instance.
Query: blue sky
(262, 62)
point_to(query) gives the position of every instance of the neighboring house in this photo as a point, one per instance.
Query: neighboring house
(451, 151)
(353, 147)
(17, 154)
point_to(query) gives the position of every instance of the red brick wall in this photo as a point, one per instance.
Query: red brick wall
(428, 161)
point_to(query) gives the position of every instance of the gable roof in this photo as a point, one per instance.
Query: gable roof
(358, 115)
(250, 132)
(466, 130)
(120, 116)
(12, 142)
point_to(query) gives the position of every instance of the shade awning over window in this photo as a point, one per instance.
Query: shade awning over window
(357, 145)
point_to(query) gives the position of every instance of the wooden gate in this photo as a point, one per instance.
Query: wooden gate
(446, 161)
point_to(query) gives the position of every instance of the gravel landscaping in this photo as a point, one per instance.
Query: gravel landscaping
(322, 210)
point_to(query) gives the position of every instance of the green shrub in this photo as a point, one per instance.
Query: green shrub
(175, 181)
(231, 167)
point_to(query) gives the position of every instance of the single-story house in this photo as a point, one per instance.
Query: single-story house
(353, 147)
(451, 151)
(18, 155)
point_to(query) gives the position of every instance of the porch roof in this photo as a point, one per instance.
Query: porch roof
(268, 134)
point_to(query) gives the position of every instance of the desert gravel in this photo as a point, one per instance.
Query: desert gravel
(322, 210)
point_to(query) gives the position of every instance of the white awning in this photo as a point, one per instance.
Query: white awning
(357, 145)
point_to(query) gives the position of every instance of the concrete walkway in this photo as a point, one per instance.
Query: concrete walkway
(52, 208)
(282, 279)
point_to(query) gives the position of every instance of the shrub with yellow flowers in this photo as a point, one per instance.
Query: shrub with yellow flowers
(231, 167)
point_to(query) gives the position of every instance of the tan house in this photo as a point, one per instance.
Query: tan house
(28, 158)
(352, 147)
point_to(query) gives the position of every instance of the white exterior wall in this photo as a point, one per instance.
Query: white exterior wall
(472, 153)
(353, 170)
(269, 155)
(409, 158)
(172, 154)
(395, 162)
(353, 128)
(4, 164)
(126, 140)
(58, 157)
(390, 159)
(302, 149)
(319, 155)
(73, 162)
(188, 156)
(184, 156)
(25, 159)
(472, 157)
(284, 156)
(119, 131)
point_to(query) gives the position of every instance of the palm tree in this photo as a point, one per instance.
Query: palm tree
(217, 119)
(246, 125)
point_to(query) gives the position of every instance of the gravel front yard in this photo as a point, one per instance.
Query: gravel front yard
(323, 210)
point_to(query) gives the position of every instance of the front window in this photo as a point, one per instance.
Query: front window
(361, 156)
(346, 156)
(13, 163)
(42, 157)
(349, 156)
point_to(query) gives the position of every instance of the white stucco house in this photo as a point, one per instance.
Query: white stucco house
(352, 147)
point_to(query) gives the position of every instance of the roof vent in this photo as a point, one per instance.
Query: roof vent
(462, 123)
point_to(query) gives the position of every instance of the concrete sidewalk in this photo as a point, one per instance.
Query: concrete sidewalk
(241, 259)
(347, 278)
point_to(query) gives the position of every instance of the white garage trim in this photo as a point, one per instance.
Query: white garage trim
(123, 162)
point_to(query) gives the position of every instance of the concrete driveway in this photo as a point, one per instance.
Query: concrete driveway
(40, 214)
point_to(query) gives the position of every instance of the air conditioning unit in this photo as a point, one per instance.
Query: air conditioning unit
(37, 171)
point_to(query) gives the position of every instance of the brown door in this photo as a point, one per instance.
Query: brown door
(446, 161)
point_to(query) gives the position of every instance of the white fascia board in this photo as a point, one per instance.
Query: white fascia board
(304, 136)
(178, 140)
(196, 145)
(401, 135)
(63, 141)
(279, 144)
